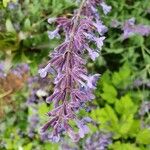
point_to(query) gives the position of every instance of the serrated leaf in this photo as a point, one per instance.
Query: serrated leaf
(125, 105)
(106, 117)
(109, 93)
(120, 78)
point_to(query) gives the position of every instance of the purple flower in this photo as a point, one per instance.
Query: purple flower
(1, 67)
(115, 23)
(145, 108)
(53, 34)
(33, 123)
(100, 27)
(92, 53)
(44, 71)
(83, 129)
(99, 41)
(2, 74)
(73, 87)
(91, 80)
(99, 141)
(106, 8)
(130, 28)
(51, 20)
(74, 136)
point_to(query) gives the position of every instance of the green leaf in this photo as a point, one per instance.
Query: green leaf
(125, 106)
(121, 77)
(9, 26)
(143, 137)
(106, 77)
(134, 129)
(27, 24)
(106, 117)
(5, 2)
(43, 109)
(116, 78)
(123, 146)
(109, 93)
(28, 147)
(137, 40)
(125, 124)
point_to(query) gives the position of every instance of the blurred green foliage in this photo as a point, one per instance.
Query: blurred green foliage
(23, 38)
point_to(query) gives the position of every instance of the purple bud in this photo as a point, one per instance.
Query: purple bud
(99, 41)
(53, 34)
(106, 8)
(92, 53)
(44, 71)
(51, 20)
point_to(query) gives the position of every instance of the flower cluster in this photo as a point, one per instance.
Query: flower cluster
(98, 141)
(129, 28)
(33, 123)
(39, 89)
(145, 108)
(84, 33)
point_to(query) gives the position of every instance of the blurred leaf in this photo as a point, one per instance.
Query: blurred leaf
(137, 40)
(43, 109)
(123, 146)
(121, 77)
(27, 24)
(9, 26)
(125, 124)
(143, 137)
(5, 2)
(28, 147)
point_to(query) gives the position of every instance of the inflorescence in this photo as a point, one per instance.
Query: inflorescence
(84, 33)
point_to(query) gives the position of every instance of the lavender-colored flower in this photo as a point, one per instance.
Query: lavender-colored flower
(51, 20)
(44, 71)
(53, 34)
(145, 108)
(99, 41)
(19, 70)
(99, 141)
(33, 123)
(83, 129)
(12, 5)
(130, 28)
(92, 53)
(2, 74)
(73, 86)
(106, 8)
(100, 27)
(115, 23)
(66, 146)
